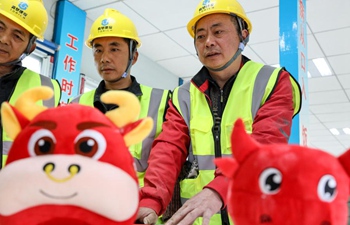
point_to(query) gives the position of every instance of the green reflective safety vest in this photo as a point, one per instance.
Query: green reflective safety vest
(153, 103)
(253, 85)
(27, 80)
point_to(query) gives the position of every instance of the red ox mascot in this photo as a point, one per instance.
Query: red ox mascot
(280, 184)
(70, 164)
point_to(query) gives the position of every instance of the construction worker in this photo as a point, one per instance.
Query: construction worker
(202, 112)
(22, 22)
(114, 41)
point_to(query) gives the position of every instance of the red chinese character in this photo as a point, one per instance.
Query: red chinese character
(302, 36)
(301, 10)
(71, 44)
(67, 86)
(302, 61)
(304, 135)
(70, 63)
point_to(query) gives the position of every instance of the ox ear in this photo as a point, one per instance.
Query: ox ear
(227, 166)
(241, 142)
(137, 131)
(12, 120)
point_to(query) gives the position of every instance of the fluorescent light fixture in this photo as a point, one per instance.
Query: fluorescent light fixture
(334, 131)
(322, 66)
(308, 74)
(346, 130)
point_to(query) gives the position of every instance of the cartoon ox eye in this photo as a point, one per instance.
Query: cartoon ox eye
(270, 181)
(327, 188)
(90, 143)
(41, 142)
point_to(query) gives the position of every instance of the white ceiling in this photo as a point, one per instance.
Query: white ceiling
(162, 28)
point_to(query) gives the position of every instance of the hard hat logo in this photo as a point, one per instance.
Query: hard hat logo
(105, 22)
(20, 9)
(207, 5)
(104, 26)
(23, 5)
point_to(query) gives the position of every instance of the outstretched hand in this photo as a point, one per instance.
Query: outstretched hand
(147, 215)
(206, 203)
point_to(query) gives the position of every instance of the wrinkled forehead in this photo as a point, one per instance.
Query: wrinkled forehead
(213, 20)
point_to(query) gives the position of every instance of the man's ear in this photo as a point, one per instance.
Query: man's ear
(245, 33)
(135, 57)
(32, 48)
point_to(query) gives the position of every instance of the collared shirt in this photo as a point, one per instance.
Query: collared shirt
(133, 88)
(8, 83)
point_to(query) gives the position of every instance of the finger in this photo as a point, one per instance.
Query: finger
(205, 221)
(150, 219)
(145, 221)
(183, 216)
(177, 217)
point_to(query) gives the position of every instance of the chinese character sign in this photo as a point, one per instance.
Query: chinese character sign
(70, 37)
(293, 56)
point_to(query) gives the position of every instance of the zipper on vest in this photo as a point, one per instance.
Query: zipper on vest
(221, 96)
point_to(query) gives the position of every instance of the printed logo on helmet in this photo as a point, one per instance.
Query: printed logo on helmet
(23, 5)
(104, 26)
(20, 9)
(105, 22)
(205, 2)
(207, 5)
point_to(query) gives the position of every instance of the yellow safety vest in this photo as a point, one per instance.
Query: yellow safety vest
(253, 85)
(153, 102)
(27, 80)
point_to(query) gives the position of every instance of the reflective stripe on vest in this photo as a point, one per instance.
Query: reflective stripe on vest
(252, 87)
(27, 80)
(85, 99)
(153, 102)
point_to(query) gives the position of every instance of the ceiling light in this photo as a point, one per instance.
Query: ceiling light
(276, 65)
(346, 130)
(334, 131)
(322, 66)
(308, 74)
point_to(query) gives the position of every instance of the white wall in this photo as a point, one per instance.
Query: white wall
(146, 71)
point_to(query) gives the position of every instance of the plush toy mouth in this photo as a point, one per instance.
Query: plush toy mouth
(58, 197)
(264, 219)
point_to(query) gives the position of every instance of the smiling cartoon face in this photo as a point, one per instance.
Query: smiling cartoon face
(71, 165)
(284, 184)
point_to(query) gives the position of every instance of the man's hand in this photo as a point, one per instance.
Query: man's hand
(206, 203)
(147, 215)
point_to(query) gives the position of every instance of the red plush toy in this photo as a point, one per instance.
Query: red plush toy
(70, 164)
(280, 184)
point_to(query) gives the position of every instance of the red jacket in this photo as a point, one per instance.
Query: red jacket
(271, 124)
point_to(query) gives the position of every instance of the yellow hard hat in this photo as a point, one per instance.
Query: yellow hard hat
(207, 7)
(113, 24)
(30, 14)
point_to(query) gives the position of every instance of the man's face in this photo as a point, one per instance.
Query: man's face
(216, 40)
(13, 40)
(111, 57)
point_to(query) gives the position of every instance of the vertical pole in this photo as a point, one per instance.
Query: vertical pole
(293, 56)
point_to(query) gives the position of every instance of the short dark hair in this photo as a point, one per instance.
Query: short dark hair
(134, 43)
(235, 20)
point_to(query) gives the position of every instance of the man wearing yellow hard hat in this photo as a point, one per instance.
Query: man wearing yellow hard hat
(21, 23)
(202, 112)
(114, 41)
